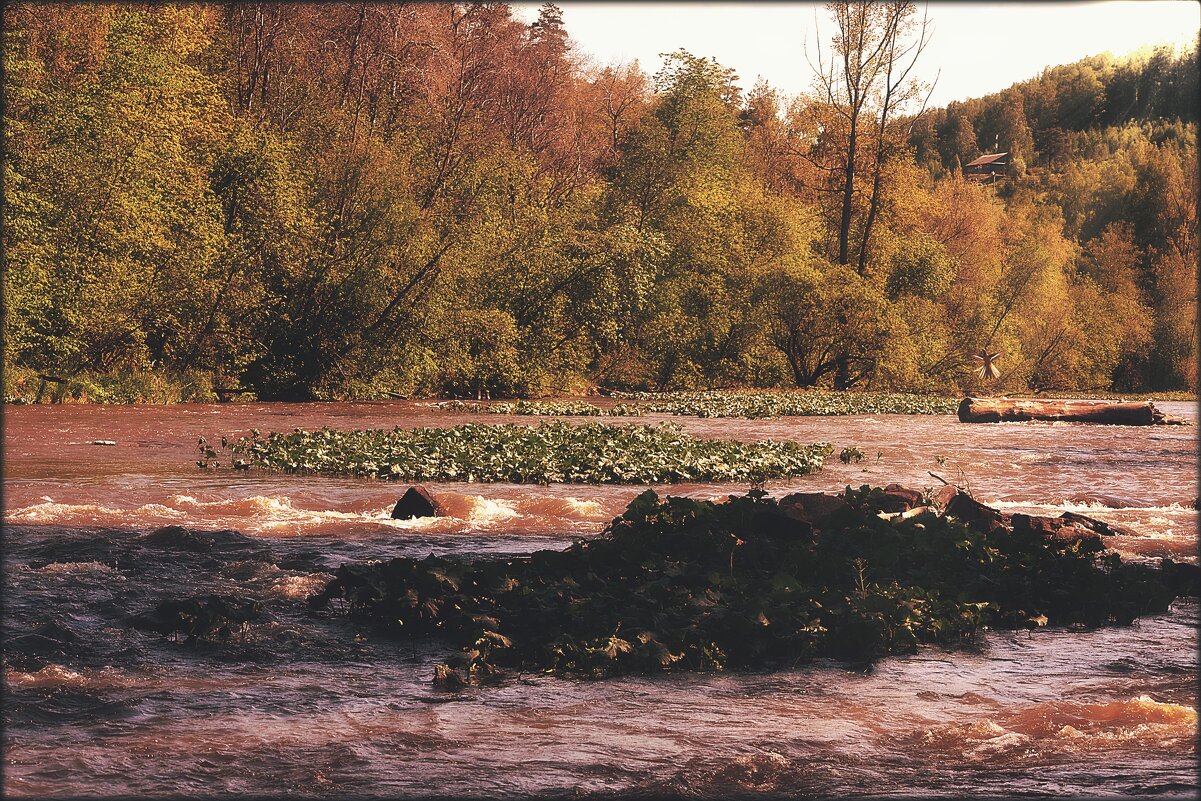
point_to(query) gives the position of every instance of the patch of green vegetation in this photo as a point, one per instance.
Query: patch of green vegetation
(23, 385)
(726, 403)
(748, 583)
(1180, 396)
(526, 407)
(735, 403)
(550, 452)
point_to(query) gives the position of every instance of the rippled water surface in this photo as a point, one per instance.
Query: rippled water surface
(302, 705)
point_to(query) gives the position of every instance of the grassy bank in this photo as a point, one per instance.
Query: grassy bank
(22, 386)
(550, 452)
(25, 386)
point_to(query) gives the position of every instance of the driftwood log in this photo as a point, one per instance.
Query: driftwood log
(999, 410)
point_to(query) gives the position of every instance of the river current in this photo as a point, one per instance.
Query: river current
(311, 705)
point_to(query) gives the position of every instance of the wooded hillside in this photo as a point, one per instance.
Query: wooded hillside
(338, 200)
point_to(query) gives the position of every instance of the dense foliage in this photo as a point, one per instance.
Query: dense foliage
(344, 200)
(682, 584)
(551, 452)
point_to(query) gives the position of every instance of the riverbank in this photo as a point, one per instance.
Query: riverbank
(24, 386)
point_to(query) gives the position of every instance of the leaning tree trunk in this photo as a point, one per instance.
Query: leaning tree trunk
(998, 410)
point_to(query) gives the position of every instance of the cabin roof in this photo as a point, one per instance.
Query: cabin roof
(989, 159)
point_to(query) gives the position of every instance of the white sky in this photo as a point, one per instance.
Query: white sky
(977, 48)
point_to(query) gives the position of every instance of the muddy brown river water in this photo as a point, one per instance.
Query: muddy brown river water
(318, 706)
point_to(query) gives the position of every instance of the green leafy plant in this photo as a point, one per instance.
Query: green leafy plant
(733, 403)
(551, 452)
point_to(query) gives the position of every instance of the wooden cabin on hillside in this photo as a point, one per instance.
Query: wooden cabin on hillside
(988, 168)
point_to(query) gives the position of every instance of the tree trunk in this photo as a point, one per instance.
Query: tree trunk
(997, 410)
(848, 194)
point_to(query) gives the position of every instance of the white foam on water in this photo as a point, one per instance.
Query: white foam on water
(1085, 507)
(50, 511)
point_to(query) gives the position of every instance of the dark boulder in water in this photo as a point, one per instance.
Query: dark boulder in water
(417, 502)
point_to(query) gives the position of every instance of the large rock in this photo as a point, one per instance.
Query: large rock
(811, 507)
(1083, 521)
(944, 495)
(968, 510)
(901, 499)
(417, 502)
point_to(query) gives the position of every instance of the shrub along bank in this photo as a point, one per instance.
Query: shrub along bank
(752, 583)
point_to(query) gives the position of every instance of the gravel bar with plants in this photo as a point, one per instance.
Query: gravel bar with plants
(724, 404)
(541, 408)
(788, 404)
(749, 583)
(594, 453)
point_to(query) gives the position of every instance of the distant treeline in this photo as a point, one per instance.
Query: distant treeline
(343, 200)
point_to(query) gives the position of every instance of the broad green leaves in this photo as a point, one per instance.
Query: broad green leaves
(555, 452)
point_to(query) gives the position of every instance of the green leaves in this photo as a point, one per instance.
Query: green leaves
(782, 404)
(554, 452)
(725, 403)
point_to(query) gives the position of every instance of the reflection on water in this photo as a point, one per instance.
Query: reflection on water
(314, 706)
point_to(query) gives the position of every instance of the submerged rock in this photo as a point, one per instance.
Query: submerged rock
(417, 502)
(199, 541)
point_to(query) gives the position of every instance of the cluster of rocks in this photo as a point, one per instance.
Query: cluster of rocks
(900, 502)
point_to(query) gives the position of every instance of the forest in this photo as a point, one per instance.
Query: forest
(350, 200)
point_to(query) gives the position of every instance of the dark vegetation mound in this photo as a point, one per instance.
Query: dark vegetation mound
(753, 582)
(201, 616)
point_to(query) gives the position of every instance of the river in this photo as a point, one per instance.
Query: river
(319, 706)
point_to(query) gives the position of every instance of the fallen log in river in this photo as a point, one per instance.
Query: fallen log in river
(1006, 410)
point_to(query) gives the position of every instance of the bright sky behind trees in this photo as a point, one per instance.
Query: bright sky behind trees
(977, 48)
